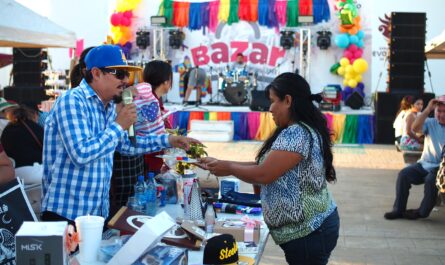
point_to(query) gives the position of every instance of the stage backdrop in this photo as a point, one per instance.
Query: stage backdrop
(261, 45)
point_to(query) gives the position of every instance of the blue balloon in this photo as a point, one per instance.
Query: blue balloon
(361, 86)
(342, 40)
(360, 43)
(360, 34)
(353, 39)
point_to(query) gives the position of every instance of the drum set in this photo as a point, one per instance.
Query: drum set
(236, 85)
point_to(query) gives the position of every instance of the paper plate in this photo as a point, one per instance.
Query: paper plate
(178, 158)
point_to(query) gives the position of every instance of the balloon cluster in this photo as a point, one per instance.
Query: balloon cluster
(121, 21)
(351, 65)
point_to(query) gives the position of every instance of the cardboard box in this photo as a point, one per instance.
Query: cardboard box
(227, 185)
(237, 229)
(41, 243)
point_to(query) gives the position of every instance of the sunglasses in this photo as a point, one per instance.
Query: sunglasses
(118, 73)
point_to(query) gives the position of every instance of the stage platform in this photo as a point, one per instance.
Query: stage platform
(348, 126)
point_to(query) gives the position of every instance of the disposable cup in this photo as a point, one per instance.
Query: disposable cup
(90, 234)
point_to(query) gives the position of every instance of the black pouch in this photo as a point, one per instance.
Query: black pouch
(239, 198)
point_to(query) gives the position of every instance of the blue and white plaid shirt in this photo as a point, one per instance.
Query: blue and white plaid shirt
(80, 138)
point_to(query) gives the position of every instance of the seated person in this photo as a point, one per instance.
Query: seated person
(22, 138)
(411, 140)
(6, 168)
(425, 170)
(239, 64)
(196, 79)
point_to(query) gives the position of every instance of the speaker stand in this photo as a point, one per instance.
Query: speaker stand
(429, 76)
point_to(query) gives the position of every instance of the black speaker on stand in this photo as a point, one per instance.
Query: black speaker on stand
(259, 101)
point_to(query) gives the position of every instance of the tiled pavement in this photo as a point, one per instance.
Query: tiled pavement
(364, 191)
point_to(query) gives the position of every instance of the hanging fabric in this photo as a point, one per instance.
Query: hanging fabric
(321, 11)
(350, 132)
(234, 12)
(181, 14)
(244, 9)
(253, 10)
(168, 11)
(271, 15)
(338, 126)
(213, 15)
(263, 12)
(280, 11)
(205, 18)
(224, 8)
(305, 7)
(195, 17)
(292, 13)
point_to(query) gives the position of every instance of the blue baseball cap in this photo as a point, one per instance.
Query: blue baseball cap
(108, 56)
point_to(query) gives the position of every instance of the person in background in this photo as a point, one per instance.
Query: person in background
(41, 115)
(239, 64)
(78, 71)
(399, 124)
(6, 167)
(425, 170)
(5, 110)
(82, 133)
(22, 138)
(159, 75)
(411, 140)
(196, 79)
(292, 169)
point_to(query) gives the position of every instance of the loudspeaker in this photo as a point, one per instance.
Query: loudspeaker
(259, 101)
(354, 101)
(25, 94)
(28, 67)
(407, 55)
(386, 107)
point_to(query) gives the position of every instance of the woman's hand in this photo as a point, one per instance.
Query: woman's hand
(202, 162)
(220, 168)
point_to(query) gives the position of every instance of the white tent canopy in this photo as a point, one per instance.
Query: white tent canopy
(435, 48)
(21, 27)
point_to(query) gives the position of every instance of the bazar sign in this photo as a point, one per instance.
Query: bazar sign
(221, 52)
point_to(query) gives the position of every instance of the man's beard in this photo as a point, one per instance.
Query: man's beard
(117, 99)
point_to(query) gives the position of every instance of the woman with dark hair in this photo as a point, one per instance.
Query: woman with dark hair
(22, 138)
(78, 71)
(400, 121)
(410, 140)
(292, 169)
(158, 77)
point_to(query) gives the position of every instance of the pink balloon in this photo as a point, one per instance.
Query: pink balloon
(125, 22)
(128, 14)
(115, 21)
(353, 47)
(359, 53)
(119, 18)
(347, 54)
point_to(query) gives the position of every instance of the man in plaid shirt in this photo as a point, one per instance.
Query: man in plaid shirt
(81, 134)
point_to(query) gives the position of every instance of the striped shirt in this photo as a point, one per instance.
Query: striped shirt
(149, 113)
(81, 135)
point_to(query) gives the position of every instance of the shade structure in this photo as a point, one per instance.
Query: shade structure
(21, 27)
(435, 48)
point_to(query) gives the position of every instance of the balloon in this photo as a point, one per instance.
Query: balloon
(119, 17)
(361, 86)
(360, 65)
(341, 70)
(345, 82)
(343, 29)
(125, 22)
(334, 68)
(360, 34)
(353, 39)
(349, 69)
(346, 17)
(358, 53)
(360, 43)
(353, 31)
(344, 61)
(352, 83)
(352, 47)
(342, 40)
(349, 76)
(115, 20)
(358, 78)
(128, 14)
(348, 54)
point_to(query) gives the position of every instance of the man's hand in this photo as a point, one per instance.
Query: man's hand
(432, 105)
(127, 116)
(182, 141)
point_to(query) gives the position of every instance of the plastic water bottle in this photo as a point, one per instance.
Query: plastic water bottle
(139, 191)
(150, 195)
(209, 218)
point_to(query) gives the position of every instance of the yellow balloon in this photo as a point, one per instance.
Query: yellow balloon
(349, 69)
(341, 70)
(352, 83)
(358, 78)
(349, 76)
(345, 82)
(360, 65)
(344, 61)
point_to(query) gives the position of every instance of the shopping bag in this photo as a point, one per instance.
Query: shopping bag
(14, 210)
